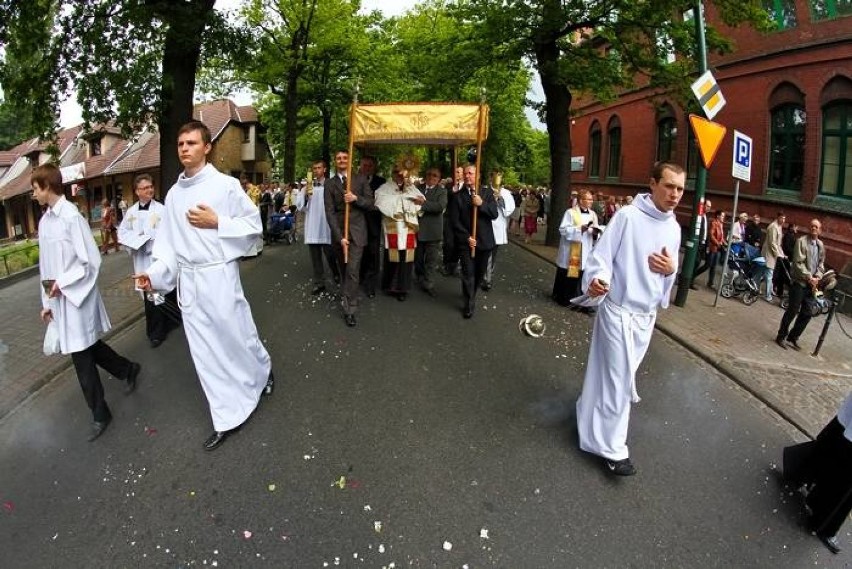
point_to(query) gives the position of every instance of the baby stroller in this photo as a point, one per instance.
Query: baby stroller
(282, 227)
(822, 299)
(746, 265)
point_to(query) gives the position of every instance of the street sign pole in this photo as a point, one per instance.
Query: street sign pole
(688, 267)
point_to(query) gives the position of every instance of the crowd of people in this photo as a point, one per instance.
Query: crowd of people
(617, 259)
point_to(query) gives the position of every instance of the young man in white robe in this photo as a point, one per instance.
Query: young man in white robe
(630, 271)
(317, 233)
(69, 262)
(209, 224)
(137, 232)
(500, 225)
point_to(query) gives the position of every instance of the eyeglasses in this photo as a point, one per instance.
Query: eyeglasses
(145, 188)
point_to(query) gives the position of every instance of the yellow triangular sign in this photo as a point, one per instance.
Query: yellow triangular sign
(709, 135)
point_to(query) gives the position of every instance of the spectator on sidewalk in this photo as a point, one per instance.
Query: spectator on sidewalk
(702, 242)
(772, 252)
(788, 241)
(715, 242)
(753, 233)
(69, 263)
(109, 233)
(529, 208)
(807, 268)
(739, 229)
(632, 267)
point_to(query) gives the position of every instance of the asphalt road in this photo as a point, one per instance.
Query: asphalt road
(417, 439)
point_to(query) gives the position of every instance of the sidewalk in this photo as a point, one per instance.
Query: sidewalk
(739, 341)
(736, 339)
(23, 367)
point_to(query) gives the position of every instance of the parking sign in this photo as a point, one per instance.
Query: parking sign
(742, 157)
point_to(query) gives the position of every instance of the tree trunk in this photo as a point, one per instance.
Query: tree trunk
(181, 53)
(291, 129)
(557, 99)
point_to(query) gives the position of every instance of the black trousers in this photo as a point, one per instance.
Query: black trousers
(798, 309)
(565, 288)
(159, 320)
(317, 253)
(451, 255)
(473, 273)
(86, 364)
(351, 274)
(371, 262)
(426, 260)
(830, 499)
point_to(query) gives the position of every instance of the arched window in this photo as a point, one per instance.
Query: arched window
(787, 147)
(614, 154)
(595, 150)
(836, 164)
(666, 138)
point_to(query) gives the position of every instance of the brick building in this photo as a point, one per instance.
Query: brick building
(101, 164)
(790, 90)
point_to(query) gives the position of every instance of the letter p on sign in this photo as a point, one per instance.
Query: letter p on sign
(742, 157)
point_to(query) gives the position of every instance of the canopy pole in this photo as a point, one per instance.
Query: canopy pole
(479, 129)
(348, 188)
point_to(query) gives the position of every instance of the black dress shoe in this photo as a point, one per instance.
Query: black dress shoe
(270, 384)
(467, 313)
(780, 342)
(401, 296)
(131, 378)
(98, 428)
(350, 320)
(156, 342)
(216, 439)
(795, 345)
(486, 287)
(318, 290)
(831, 543)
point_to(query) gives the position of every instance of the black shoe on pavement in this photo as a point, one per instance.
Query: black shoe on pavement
(621, 467)
(831, 543)
(270, 384)
(156, 342)
(401, 296)
(795, 345)
(131, 378)
(350, 320)
(216, 439)
(97, 429)
(486, 286)
(780, 342)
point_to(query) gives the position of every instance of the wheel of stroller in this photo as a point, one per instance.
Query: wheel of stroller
(749, 298)
(826, 306)
(727, 290)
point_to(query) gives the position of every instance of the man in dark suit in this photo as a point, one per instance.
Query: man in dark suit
(360, 200)
(461, 218)
(451, 260)
(431, 230)
(371, 262)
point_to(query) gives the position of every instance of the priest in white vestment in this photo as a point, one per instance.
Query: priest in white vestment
(137, 232)
(399, 202)
(578, 231)
(631, 269)
(209, 224)
(69, 262)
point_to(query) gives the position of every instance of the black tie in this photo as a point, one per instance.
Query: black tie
(343, 181)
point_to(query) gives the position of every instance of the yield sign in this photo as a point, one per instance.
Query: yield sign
(709, 135)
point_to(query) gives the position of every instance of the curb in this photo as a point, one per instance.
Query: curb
(53, 371)
(719, 366)
(19, 276)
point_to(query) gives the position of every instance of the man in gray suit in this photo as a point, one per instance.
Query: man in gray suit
(360, 200)
(426, 257)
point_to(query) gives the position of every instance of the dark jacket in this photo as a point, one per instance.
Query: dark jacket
(461, 218)
(335, 209)
(431, 218)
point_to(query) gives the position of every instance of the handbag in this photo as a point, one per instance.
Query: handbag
(51, 339)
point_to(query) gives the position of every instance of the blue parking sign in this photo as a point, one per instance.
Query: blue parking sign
(741, 168)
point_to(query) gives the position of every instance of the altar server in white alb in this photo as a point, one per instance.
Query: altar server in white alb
(209, 224)
(633, 268)
(317, 232)
(505, 208)
(137, 232)
(69, 262)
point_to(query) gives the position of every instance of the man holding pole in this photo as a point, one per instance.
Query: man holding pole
(470, 218)
(344, 209)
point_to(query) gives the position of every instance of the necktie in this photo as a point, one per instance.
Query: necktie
(343, 181)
